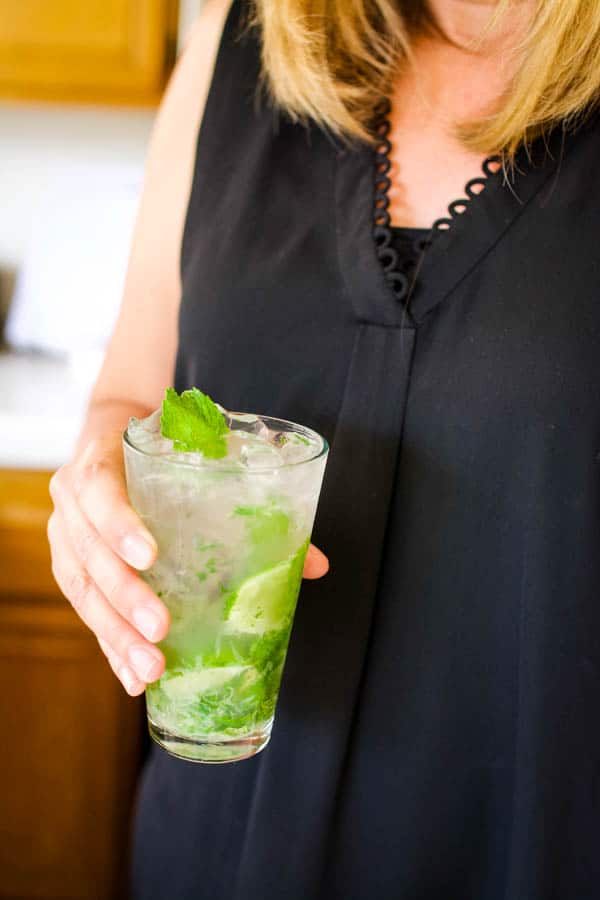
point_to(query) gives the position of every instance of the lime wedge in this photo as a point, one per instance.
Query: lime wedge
(264, 602)
(192, 684)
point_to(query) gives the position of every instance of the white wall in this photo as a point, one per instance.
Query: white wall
(188, 11)
(38, 140)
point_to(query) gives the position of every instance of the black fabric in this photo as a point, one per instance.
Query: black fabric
(407, 240)
(437, 735)
(410, 246)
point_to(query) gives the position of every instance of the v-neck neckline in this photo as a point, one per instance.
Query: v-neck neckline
(452, 253)
(473, 233)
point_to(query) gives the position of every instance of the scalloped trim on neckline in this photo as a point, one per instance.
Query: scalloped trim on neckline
(398, 280)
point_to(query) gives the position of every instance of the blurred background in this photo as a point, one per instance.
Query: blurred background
(79, 88)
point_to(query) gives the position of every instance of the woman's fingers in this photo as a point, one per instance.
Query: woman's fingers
(316, 564)
(125, 674)
(121, 586)
(93, 533)
(98, 483)
(126, 644)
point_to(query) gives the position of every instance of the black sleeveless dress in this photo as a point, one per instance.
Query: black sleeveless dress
(438, 730)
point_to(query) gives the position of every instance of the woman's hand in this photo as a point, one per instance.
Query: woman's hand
(97, 543)
(316, 564)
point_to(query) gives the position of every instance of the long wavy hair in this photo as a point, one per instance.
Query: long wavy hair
(333, 61)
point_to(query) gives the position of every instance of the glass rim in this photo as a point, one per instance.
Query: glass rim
(322, 450)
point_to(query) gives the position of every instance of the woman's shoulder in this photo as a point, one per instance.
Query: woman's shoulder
(207, 30)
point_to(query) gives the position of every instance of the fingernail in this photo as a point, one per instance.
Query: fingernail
(137, 551)
(147, 621)
(145, 663)
(129, 679)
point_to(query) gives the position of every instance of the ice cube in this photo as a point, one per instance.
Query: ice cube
(249, 423)
(237, 421)
(297, 448)
(145, 434)
(260, 457)
(256, 454)
(250, 451)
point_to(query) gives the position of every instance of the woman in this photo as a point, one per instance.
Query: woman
(437, 732)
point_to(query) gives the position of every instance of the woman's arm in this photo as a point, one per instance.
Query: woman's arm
(140, 359)
(96, 538)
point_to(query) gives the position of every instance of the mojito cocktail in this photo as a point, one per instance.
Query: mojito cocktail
(232, 530)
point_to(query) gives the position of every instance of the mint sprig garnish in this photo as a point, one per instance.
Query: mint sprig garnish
(194, 423)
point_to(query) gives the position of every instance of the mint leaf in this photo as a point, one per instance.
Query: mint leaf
(210, 569)
(264, 522)
(194, 423)
(229, 599)
(267, 529)
(201, 546)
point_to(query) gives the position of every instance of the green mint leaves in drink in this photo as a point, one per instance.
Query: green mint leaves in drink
(194, 423)
(267, 531)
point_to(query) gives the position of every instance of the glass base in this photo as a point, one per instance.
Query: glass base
(207, 751)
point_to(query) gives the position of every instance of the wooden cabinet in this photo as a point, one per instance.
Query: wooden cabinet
(71, 738)
(101, 50)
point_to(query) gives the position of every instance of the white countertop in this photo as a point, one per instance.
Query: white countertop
(42, 405)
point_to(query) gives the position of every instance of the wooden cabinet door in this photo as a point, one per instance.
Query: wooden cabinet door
(97, 50)
(70, 736)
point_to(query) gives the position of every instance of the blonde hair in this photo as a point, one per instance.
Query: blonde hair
(334, 61)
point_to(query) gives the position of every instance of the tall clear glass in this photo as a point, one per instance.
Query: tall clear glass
(231, 549)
